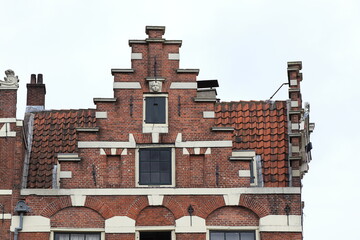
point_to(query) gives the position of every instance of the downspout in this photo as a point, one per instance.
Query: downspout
(20, 227)
(20, 208)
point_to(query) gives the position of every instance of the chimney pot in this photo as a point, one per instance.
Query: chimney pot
(33, 79)
(40, 78)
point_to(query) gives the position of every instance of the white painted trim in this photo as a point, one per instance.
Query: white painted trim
(108, 144)
(19, 123)
(5, 191)
(102, 151)
(155, 137)
(244, 173)
(155, 199)
(208, 114)
(279, 223)
(208, 151)
(294, 103)
(5, 131)
(183, 85)
(174, 56)
(65, 174)
(250, 154)
(295, 126)
(101, 115)
(78, 200)
(155, 128)
(155, 228)
(6, 216)
(164, 191)
(183, 225)
(113, 151)
(136, 56)
(126, 85)
(197, 151)
(7, 120)
(232, 199)
(192, 144)
(185, 151)
(295, 149)
(120, 224)
(68, 157)
(124, 152)
(293, 82)
(296, 173)
(31, 224)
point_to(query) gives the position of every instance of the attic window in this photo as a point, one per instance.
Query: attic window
(155, 110)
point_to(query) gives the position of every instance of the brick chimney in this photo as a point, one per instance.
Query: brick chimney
(8, 95)
(35, 94)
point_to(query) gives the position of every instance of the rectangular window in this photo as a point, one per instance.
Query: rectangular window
(155, 112)
(77, 236)
(155, 166)
(232, 235)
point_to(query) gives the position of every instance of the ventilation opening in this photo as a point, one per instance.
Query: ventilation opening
(155, 235)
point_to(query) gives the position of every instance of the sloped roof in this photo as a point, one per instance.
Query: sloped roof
(259, 126)
(54, 132)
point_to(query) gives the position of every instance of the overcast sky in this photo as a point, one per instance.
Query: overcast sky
(244, 44)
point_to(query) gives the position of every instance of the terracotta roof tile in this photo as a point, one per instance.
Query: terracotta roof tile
(261, 126)
(54, 132)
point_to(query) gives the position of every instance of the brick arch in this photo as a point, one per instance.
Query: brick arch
(232, 216)
(77, 217)
(56, 206)
(138, 204)
(253, 204)
(155, 216)
(99, 206)
(203, 205)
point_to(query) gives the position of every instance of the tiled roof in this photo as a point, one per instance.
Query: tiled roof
(259, 126)
(54, 132)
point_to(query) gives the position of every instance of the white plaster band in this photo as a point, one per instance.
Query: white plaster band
(191, 144)
(65, 174)
(293, 82)
(5, 192)
(183, 85)
(294, 104)
(119, 224)
(174, 56)
(78, 200)
(244, 173)
(126, 85)
(295, 126)
(296, 173)
(164, 191)
(198, 225)
(136, 56)
(31, 224)
(101, 114)
(7, 120)
(107, 144)
(280, 223)
(208, 114)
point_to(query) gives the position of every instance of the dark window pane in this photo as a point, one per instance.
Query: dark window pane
(155, 110)
(155, 178)
(247, 236)
(217, 236)
(155, 167)
(144, 178)
(155, 155)
(165, 155)
(232, 236)
(165, 178)
(165, 166)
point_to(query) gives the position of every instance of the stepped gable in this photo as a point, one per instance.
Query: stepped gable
(259, 126)
(54, 132)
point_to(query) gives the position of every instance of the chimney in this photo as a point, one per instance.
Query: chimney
(35, 94)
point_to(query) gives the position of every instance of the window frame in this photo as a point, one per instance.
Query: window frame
(172, 163)
(99, 231)
(254, 229)
(156, 127)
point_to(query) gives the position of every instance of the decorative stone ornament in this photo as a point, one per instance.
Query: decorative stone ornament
(155, 86)
(10, 81)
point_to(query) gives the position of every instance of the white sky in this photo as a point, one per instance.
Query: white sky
(243, 44)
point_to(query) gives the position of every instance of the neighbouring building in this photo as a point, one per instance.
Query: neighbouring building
(163, 158)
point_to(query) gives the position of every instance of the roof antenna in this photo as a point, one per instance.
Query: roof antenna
(278, 90)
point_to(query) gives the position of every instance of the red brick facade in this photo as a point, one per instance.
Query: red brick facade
(162, 156)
